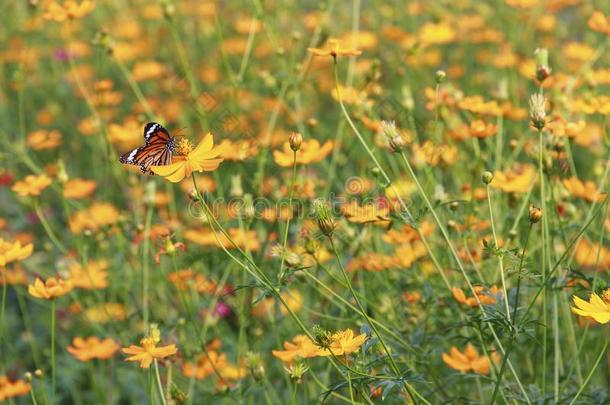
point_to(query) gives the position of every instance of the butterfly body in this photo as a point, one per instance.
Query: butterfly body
(157, 150)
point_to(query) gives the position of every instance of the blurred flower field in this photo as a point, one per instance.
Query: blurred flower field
(282, 202)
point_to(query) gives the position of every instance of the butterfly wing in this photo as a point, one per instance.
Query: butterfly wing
(154, 131)
(156, 151)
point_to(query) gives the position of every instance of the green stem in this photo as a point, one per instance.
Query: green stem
(500, 256)
(597, 361)
(410, 390)
(290, 195)
(146, 262)
(4, 289)
(47, 228)
(53, 351)
(159, 385)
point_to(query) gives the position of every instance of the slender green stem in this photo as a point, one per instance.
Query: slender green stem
(412, 392)
(53, 351)
(4, 289)
(513, 335)
(290, 212)
(500, 257)
(146, 263)
(47, 228)
(159, 385)
(543, 254)
(601, 355)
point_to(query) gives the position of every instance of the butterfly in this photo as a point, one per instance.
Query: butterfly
(157, 150)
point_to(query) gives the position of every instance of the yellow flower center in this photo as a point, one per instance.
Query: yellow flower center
(148, 343)
(184, 147)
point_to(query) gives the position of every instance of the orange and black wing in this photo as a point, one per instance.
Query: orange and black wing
(157, 149)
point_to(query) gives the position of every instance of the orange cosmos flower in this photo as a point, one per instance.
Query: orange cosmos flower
(599, 22)
(92, 277)
(208, 364)
(469, 360)
(597, 308)
(481, 129)
(341, 343)
(110, 311)
(301, 346)
(203, 158)
(12, 388)
(32, 185)
(68, 10)
(43, 140)
(50, 289)
(486, 297)
(79, 188)
(311, 152)
(344, 342)
(85, 349)
(149, 351)
(587, 190)
(368, 213)
(186, 279)
(98, 215)
(517, 180)
(333, 49)
(16, 276)
(14, 251)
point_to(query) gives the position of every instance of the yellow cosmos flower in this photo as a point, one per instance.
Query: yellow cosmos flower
(14, 251)
(32, 185)
(149, 351)
(597, 308)
(310, 152)
(517, 180)
(68, 10)
(368, 213)
(334, 49)
(469, 360)
(341, 343)
(205, 157)
(344, 342)
(301, 346)
(50, 289)
(85, 349)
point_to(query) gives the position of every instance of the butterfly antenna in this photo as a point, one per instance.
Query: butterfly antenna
(179, 132)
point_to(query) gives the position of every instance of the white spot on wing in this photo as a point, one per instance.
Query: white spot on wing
(132, 155)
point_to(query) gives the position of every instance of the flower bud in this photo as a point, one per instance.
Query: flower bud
(537, 111)
(236, 187)
(322, 337)
(439, 76)
(542, 64)
(27, 376)
(296, 371)
(388, 128)
(487, 177)
(535, 214)
(38, 373)
(326, 223)
(454, 206)
(295, 140)
(254, 363)
(397, 144)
